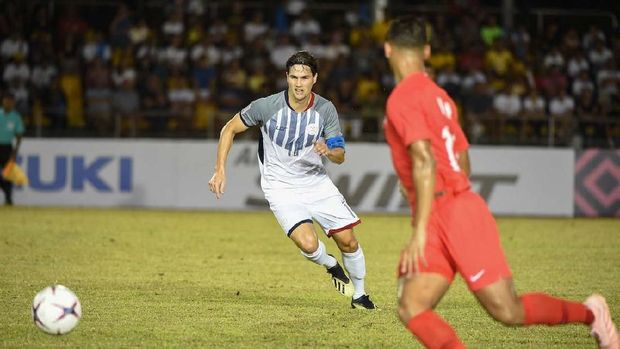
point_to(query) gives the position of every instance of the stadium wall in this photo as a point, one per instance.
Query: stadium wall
(174, 174)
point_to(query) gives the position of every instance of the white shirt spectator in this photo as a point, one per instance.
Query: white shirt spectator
(14, 46)
(507, 104)
(254, 28)
(448, 77)
(126, 75)
(554, 58)
(534, 105)
(472, 78)
(281, 53)
(195, 7)
(576, 65)
(42, 75)
(173, 26)
(213, 54)
(581, 84)
(181, 95)
(16, 71)
(561, 105)
(95, 49)
(304, 27)
(174, 55)
(600, 56)
(315, 47)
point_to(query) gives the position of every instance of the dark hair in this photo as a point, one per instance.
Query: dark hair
(304, 58)
(409, 32)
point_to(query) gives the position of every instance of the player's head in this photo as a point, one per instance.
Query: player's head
(8, 100)
(408, 35)
(301, 74)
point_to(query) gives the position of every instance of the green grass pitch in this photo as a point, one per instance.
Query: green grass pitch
(193, 279)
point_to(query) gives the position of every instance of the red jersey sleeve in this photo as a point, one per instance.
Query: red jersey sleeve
(409, 121)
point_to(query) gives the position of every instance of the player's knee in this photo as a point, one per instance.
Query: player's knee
(348, 244)
(507, 314)
(308, 246)
(408, 309)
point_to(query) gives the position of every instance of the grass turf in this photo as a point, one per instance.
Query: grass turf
(184, 279)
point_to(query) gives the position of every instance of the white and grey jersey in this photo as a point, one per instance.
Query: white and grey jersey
(285, 152)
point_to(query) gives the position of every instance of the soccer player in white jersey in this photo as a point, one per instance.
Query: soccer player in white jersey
(299, 128)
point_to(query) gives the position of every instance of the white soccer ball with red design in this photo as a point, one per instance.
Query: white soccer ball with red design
(56, 310)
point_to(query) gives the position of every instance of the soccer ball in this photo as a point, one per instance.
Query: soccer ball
(56, 310)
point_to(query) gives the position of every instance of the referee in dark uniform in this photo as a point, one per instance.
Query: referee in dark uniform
(11, 131)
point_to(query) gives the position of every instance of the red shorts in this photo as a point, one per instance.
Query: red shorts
(462, 237)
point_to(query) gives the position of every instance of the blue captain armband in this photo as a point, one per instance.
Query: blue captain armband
(335, 142)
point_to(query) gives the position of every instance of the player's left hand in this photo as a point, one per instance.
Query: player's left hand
(412, 255)
(217, 184)
(321, 148)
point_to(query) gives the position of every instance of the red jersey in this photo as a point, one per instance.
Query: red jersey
(418, 109)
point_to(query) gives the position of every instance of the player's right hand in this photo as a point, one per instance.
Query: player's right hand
(217, 184)
(412, 255)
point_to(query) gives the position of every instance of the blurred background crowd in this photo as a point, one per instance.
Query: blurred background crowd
(181, 68)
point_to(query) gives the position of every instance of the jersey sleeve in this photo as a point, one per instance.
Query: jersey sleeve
(257, 112)
(332, 125)
(409, 121)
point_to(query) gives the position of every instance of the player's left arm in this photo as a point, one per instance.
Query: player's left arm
(333, 149)
(463, 160)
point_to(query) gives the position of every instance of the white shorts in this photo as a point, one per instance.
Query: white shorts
(323, 203)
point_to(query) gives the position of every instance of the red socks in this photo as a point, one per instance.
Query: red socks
(546, 310)
(433, 331)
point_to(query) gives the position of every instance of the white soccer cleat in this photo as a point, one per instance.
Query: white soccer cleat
(603, 328)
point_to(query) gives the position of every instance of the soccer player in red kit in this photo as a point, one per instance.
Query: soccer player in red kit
(453, 229)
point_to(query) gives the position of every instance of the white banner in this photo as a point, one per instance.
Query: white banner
(174, 174)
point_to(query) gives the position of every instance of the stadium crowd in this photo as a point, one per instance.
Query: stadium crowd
(184, 69)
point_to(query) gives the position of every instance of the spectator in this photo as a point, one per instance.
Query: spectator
(282, 50)
(155, 103)
(583, 82)
(17, 71)
(99, 97)
(304, 26)
(498, 59)
(174, 25)
(256, 27)
(491, 31)
(576, 64)
(599, 55)
(206, 48)
(336, 46)
(561, 109)
(139, 32)
(481, 124)
(71, 26)
(554, 58)
(593, 35)
(42, 75)
(14, 46)
(126, 108)
(520, 39)
(96, 47)
(534, 115)
(120, 26)
(450, 81)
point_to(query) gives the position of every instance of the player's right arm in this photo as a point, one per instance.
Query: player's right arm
(424, 170)
(232, 127)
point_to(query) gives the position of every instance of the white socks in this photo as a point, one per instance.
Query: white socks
(355, 263)
(321, 257)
